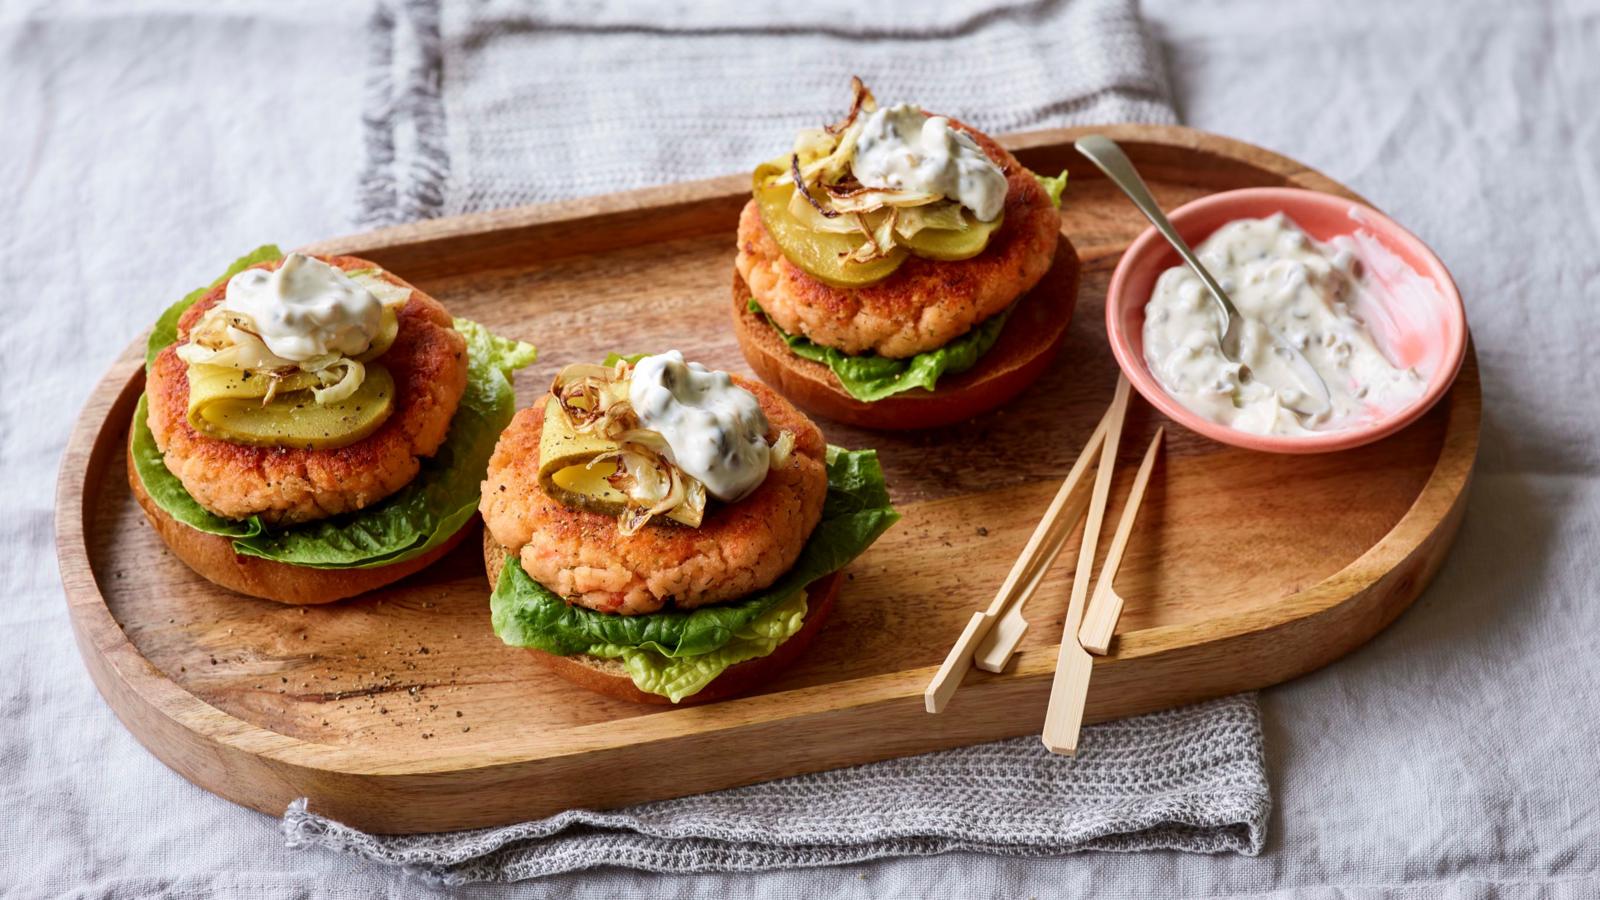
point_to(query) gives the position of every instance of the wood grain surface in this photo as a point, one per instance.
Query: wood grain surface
(400, 711)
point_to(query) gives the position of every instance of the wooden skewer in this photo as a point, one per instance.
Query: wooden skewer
(995, 650)
(956, 662)
(988, 635)
(1105, 607)
(1025, 576)
(1063, 719)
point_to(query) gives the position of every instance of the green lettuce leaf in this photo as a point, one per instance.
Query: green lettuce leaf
(1053, 186)
(856, 511)
(408, 523)
(869, 377)
(167, 491)
(166, 328)
(678, 677)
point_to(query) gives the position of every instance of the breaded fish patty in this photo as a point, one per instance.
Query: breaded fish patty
(739, 547)
(924, 304)
(285, 486)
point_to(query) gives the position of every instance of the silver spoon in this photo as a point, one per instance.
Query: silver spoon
(1104, 153)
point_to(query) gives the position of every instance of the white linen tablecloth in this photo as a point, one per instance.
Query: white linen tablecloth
(1454, 756)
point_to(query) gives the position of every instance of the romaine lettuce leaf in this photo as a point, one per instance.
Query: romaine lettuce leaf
(1053, 186)
(406, 524)
(167, 491)
(678, 677)
(856, 511)
(870, 377)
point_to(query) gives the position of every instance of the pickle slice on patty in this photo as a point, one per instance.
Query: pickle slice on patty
(223, 404)
(820, 254)
(388, 330)
(570, 475)
(951, 244)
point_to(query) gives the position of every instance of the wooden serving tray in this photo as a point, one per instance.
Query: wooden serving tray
(401, 711)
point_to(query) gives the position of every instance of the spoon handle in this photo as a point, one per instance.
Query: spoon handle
(1104, 153)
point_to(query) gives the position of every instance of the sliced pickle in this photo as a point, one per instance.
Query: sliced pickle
(567, 477)
(952, 244)
(585, 487)
(820, 254)
(208, 383)
(388, 328)
(226, 406)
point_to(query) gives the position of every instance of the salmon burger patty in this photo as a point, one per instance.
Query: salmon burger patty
(286, 485)
(925, 303)
(739, 548)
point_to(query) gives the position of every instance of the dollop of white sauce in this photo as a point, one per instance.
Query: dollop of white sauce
(714, 429)
(903, 148)
(306, 308)
(1315, 295)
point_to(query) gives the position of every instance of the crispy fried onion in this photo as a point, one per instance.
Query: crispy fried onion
(653, 486)
(594, 399)
(232, 340)
(801, 190)
(781, 448)
(860, 98)
(829, 199)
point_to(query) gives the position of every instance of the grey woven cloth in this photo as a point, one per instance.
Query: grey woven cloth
(476, 106)
(491, 104)
(1187, 779)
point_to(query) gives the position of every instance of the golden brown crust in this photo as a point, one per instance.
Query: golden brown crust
(286, 486)
(608, 676)
(1028, 343)
(925, 303)
(739, 548)
(212, 557)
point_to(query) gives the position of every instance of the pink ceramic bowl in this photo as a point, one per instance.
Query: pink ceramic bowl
(1428, 330)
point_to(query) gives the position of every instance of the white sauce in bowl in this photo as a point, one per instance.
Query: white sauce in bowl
(306, 308)
(1315, 295)
(714, 429)
(903, 148)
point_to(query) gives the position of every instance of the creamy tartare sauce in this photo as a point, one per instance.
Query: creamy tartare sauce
(714, 429)
(903, 148)
(1313, 294)
(306, 308)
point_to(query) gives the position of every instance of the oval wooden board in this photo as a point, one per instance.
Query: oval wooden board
(401, 712)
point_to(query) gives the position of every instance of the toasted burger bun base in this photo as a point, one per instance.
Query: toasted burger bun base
(212, 556)
(1027, 345)
(609, 677)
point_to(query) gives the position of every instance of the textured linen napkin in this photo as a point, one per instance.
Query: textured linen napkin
(1186, 779)
(477, 106)
(484, 105)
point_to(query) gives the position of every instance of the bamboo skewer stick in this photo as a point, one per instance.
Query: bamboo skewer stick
(992, 634)
(1105, 606)
(956, 663)
(1063, 719)
(1062, 516)
(1025, 575)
